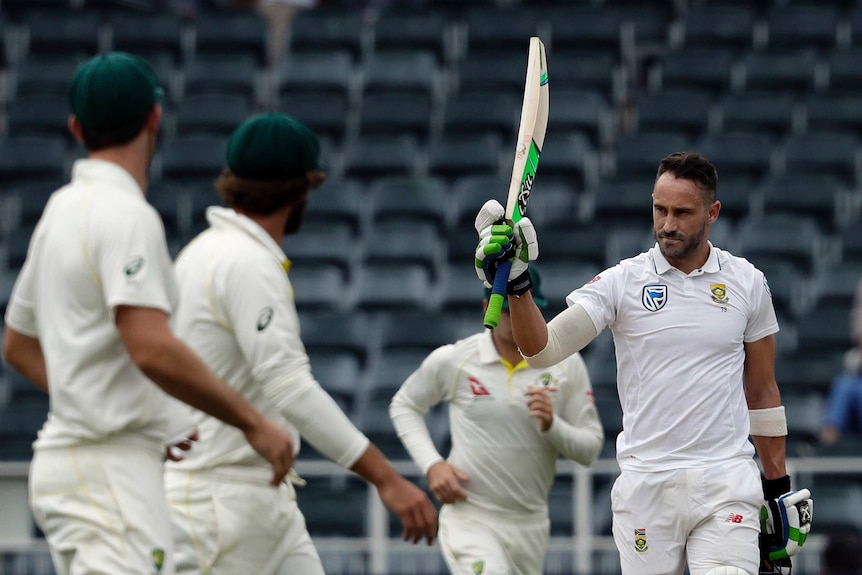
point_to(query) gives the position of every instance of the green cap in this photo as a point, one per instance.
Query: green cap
(273, 147)
(113, 89)
(538, 296)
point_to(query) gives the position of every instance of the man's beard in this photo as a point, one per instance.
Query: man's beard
(689, 245)
(294, 222)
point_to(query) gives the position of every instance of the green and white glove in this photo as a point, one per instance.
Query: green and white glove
(499, 242)
(785, 521)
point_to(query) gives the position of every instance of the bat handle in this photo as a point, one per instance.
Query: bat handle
(498, 295)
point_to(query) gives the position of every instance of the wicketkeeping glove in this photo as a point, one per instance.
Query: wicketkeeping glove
(785, 521)
(498, 242)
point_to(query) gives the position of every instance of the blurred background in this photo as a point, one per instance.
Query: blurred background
(417, 106)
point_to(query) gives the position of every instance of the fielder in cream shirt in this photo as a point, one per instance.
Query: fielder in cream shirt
(237, 312)
(509, 423)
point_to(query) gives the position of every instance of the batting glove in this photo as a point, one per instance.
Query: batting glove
(785, 521)
(499, 242)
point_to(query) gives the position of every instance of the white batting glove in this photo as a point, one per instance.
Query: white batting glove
(492, 212)
(785, 522)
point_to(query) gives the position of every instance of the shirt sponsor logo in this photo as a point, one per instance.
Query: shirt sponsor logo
(134, 266)
(640, 540)
(594, 280)
(654, 296)
(477, 388)
(719, 293)
(264, 318)
(734, 518)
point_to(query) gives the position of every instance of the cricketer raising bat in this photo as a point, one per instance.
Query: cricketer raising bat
(531, 136)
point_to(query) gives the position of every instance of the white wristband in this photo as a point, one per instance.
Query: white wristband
(769, 422)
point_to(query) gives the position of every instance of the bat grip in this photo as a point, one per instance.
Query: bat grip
(498, 295)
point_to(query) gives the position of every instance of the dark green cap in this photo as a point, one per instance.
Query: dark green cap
(273, 147)
(113, 89)
(538, 296)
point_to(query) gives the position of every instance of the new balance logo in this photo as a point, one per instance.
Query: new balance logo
(477, 388)
(734, 518)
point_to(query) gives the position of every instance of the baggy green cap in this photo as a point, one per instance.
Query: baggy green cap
(113, 89)
(538, 296)
(273, 147)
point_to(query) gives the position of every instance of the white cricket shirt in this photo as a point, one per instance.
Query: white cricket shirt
(510, 462)
(679, 346)
(237, 313)
(98, 245)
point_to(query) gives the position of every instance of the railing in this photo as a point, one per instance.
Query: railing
(583, 549)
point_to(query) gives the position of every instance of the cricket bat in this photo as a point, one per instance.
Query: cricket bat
(531, 137)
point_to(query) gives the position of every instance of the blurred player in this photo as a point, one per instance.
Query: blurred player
(88, 323)
(237, 311)
(693, 330)
(509, 424)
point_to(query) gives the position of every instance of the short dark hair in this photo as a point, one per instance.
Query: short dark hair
(96, 139)
(263, 197)
(694, 167)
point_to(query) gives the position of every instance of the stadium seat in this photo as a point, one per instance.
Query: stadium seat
(327, 332)
(836, 285)
(319, 71)
(638, 154)
(844, 73)
(237, 33)
(804, 414)
(141, 32)
(34, 115)
(482, 111)
(323, 29)
(324, 112)
(46, 74)
(800, 373)
(569, 157)
(677, 110)
(332, 510)
(420, 199)
(824, 330)
(851, 242)
(338, 201)
(56, 32)
(222, 73)
(403, 241)
(470, 192)
(340, 374)
(19, 425)
(697, 67)
(583, 110)
(456, 156)
(719, 25)
(585, 70)
(602, 368)
(741, 153)
(370, 157)
(29, 199)
(795, 239)
(420, 29)
(772, 111)
(382, 287)
(788, 285)
(499, 30)
(561, 507)
(389, 114)
(404, 72)
(816, 193)
(834, 152)
(499, 73)
(32, 158)
(559, 279)
(787, 69)
(323, 242)
(803, 24)
(373, 420)
(831, 111)
(569, 241)
(581, 27)
(623, 201)
(211, 114)
(553, 200)
(193, 157)
(461, 292)
(320, 286)
(839, 506)
(736, 194)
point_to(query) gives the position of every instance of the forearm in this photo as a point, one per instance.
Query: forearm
(771, 451)
(528, 324)
(580, 444)
(24, 353)
(373, 467)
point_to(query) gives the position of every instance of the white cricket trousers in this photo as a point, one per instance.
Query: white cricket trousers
(102, 508)
(479, 542)
(230, 521)
(709, 516)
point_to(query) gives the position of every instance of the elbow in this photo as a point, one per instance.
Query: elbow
(150, 359)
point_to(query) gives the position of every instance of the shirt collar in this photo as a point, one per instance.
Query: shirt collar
(487, 350)
(226, 218)
(105, 173)
(661, 265)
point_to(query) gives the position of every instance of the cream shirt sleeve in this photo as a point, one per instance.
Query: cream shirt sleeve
(258, 301)
(576, 431)
(422, 390)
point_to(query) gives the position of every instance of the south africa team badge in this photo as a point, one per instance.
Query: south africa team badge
(719, 293)
(640, 540)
